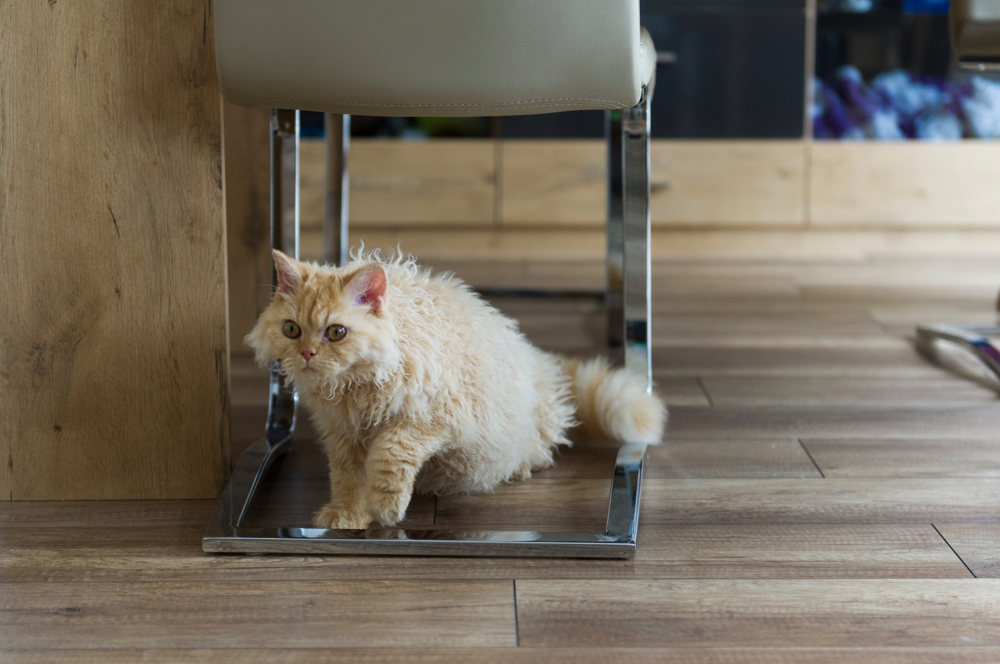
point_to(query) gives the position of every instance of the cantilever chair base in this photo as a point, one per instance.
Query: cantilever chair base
(226, 534)
(970, 350)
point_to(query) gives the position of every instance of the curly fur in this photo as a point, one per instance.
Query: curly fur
(432, 389)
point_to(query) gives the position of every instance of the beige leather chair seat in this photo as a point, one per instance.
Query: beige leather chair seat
(398, 57)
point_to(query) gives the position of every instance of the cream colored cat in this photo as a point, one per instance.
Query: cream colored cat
(418, 384)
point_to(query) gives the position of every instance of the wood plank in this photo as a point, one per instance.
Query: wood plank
(287, 614)
(650, 613)
(735, 183)
(101, 514)
(977, 544)
(967, 423)
(113, 318)
(737, 551)
(895, 359)
(904, 184)
(749, 328)
(828, 501)
(729, 182)
(906, 457)
(573, 504)
(246, 174)
(757, 244)
(716, 459)
(882, 279)
(394, 182)
(554, 182)
(536, 504)
(910, 314)
(860, 392)
(956, 655)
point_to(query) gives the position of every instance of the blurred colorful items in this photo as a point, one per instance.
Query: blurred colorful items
(898, 106)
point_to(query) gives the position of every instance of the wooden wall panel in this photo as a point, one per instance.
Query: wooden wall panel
(728, 183)
(554, 182)
(693, 183)
(247, 166)
(435, 182)
(906, 184)
(114, 379)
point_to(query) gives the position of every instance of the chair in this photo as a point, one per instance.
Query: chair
(970, 349)
(442, 58)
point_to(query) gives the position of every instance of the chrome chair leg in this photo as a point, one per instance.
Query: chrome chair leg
(335, 210)
(614, 265)
(634, 234)
(281, 409)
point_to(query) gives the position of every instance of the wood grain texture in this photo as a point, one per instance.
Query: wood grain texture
(893, 360)
(977, 544)
(433, 183)
(246, 168)
(538, 504)
(779, 457)
(261, 615)
(831, 613)
(114, 348)
(745, 553)
(839, 391)
(99, 513)
(512, 244)
(964, 422)
(694, 183)
(548, 182)
(731, 551)
(682, 655)
(728, 183)
(906, 457)
(819, 501)
(904, 184)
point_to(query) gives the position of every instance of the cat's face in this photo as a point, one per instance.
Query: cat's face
(327, 326)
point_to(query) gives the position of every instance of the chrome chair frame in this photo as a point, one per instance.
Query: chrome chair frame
(968, 350)
(628, 298)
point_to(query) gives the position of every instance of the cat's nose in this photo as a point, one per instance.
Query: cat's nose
(308, 354)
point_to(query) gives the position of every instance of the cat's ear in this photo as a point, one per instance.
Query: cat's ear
(367, 286)
(289, 273)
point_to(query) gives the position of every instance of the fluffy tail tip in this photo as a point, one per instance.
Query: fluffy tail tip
(613, 403)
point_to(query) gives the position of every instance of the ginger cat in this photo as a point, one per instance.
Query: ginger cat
(416, 383)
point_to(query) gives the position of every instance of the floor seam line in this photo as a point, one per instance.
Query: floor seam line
(808, 454)
(517, 629)
(945, 539)
(704, 390)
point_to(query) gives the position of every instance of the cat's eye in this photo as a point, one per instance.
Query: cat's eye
(336, 332)
(291, 330)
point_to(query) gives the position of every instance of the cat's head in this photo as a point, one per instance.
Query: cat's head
(328, 326)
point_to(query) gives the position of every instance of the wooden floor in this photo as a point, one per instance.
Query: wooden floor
(824, 494)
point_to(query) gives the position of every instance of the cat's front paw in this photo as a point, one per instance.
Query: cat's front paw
(335, 518)
(386, 508)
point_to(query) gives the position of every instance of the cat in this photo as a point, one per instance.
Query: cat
(417, 384)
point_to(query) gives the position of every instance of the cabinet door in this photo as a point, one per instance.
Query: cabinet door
(739, 73)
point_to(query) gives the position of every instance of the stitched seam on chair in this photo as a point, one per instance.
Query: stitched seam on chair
(562, 101)
(485, 110)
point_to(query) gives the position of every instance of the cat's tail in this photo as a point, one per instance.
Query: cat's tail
(613, 404)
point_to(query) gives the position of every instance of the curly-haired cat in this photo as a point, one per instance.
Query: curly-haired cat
(418, 384)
